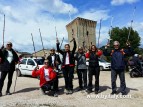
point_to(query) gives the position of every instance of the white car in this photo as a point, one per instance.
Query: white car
(104, 65)
(27, 65)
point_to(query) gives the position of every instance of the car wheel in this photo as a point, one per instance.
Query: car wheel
(18, 73)
(101, 68)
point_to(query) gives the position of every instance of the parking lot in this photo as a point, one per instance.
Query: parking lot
(28, 94)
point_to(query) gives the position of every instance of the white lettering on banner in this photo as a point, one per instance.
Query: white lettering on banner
(101, 96)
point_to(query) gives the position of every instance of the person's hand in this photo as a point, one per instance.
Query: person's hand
(16, 63)
(107, 45)
(2, 47)
(57, 40)
(73, 38)
(36, 68)
(128, 43)
(57, 62)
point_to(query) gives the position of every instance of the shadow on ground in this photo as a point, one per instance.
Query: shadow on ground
(27, 90)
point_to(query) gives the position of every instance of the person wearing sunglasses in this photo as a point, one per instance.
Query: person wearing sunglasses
(47, 78)
(54, 62)
(118, 64)
(8, 66)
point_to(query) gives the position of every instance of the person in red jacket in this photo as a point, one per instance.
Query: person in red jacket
(94, 68)
(47, 77)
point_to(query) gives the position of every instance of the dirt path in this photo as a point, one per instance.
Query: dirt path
(28, 94)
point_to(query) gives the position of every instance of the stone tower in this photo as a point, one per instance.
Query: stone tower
(83, 31)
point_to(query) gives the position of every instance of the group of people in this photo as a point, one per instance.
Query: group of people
(49, 73)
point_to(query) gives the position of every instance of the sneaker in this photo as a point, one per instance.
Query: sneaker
(42, 92)
(8, 93)
(80, 89)
(55, 95)
(89, 91)
(70, 91)
(114, 92)
(0, 94)
(96, 92)
(67, 92)
(124, 93)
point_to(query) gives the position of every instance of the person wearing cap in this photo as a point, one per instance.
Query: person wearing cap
(93, 68)
(118, 64)
(47, 77)
(68, 64)
(54, 62)
(7, 66)
(81, 69)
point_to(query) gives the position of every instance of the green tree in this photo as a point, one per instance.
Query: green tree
(121, 35)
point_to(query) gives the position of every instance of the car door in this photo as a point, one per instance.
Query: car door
(22, 66)
(30, 66)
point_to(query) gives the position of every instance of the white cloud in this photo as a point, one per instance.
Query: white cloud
(138, 26)
(104, 36)
(24, 19)
(95, 14)
(55, 6)
(121, 2)
(21, 22)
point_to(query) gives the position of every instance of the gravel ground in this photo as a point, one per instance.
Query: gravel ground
(28, 94)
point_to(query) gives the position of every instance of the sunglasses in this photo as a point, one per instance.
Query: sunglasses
(9, 44)
(116, 45)
(46, 63)
(52, 50)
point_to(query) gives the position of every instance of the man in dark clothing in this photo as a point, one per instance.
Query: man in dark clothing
(118, 64)
(81, 68)
(54, 62)
(68, 64)
(137, 62)
(94, 68)
(8, 66)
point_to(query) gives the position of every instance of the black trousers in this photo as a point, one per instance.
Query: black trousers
(68, 76)
(121, 74)
(93, 71)
(56, 83)
(49, 86)
(82, 77)
(3, 76)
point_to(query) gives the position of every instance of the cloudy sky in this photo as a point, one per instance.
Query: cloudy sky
(24, 17)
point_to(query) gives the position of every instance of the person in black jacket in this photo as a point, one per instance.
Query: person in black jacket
(68, 64)
(8, 66)
(118, 64)
(94, 68)
(55, 61)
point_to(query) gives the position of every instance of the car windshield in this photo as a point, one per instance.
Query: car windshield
(39, 61)
(102, 60)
